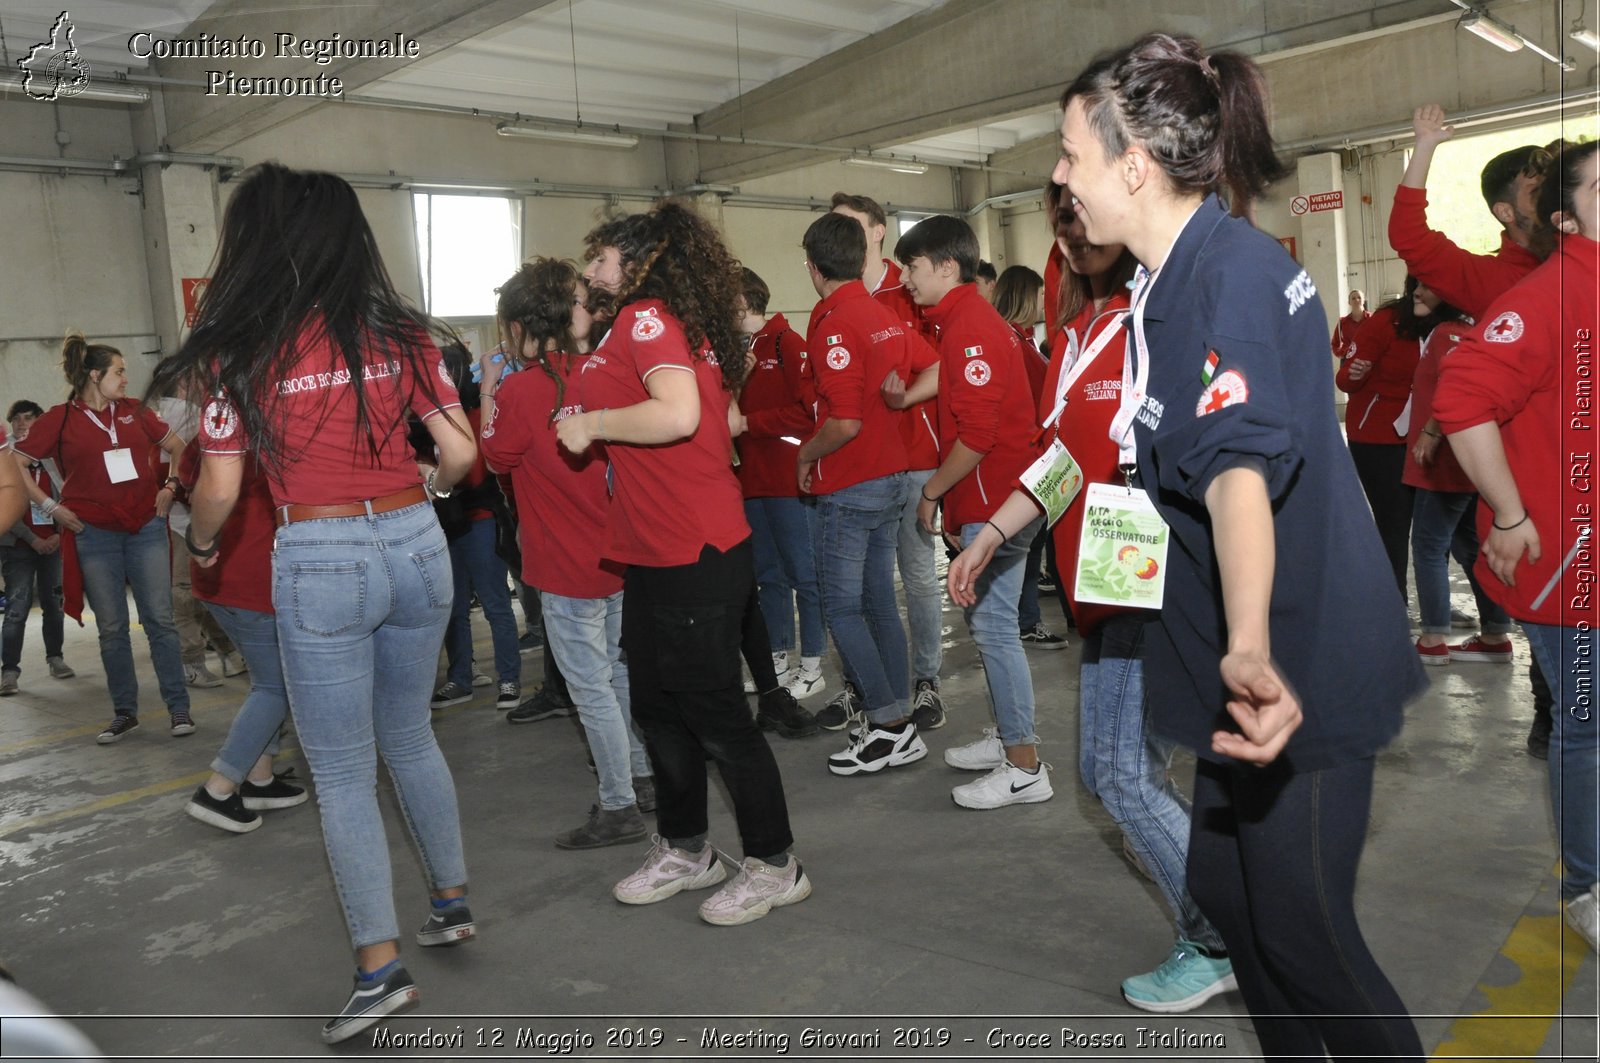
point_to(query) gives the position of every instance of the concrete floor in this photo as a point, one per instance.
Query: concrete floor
(965, 932)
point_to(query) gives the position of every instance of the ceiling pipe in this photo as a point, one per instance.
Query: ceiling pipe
(1477, 116)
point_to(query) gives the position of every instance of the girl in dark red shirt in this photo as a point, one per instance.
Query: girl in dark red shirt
(313, 362)
(656, 392)
(113, 513)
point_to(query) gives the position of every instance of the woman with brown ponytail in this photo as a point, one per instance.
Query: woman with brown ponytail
(112, 513)
(1225, 423)
(656, 392)
(561, 500)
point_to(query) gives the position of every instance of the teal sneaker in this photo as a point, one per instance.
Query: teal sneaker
(1186, 980)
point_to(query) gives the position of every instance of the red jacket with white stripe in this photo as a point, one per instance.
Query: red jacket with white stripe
(1530, 369)
(1378, 398)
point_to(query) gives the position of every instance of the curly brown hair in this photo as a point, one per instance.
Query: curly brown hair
(538, 299)
(673, 254)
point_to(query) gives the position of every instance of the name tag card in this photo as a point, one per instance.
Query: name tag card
(1122, 549)
(38, 516)
(1054, 480)
(119, 465)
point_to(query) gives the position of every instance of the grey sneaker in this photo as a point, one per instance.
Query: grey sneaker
(452, 693)
(8, 682)
(233, 664)
(756, 890)
(59, 669)
(198, 675)
(843, 709)
(606, 826)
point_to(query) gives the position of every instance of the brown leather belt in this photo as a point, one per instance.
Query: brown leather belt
(387, 504)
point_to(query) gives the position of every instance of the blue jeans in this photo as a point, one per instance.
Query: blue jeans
(1444, 524)
(993, 622)
(585, 634)
(24, 569)
(259, 721)
(855, 535)
(1028, 616)
(110, 561)
(786, 572)
(1566, 657)
(474, 566)
(362, 605)
(918, 551)
(1125, 765)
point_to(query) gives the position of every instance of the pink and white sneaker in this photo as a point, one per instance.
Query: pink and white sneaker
(756, 890)
(667, 871)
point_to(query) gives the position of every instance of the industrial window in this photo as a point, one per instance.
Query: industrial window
(467, 246)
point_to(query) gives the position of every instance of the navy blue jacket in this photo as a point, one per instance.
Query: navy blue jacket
(1339, 631)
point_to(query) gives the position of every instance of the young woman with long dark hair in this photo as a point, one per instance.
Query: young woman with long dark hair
(1224, 420)
(1508, 401)
(112, 513)
(311, 361)
(562, 498)
(656, 392)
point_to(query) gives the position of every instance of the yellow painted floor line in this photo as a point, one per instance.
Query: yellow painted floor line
(1516, 1019)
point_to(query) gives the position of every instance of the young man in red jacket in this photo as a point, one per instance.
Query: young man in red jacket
(1469, 282)
(916, 549)
(855, 465)
(986, 422)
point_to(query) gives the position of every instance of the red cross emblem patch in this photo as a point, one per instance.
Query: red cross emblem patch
(221, 419)
(1507, 328)
(1228, 389)
(978, 372)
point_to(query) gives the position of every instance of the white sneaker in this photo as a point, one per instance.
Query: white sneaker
(667, 871)
(1006, 785)
(1583, 915)
(198, 675)
(756, 890)
(805, 681)
(872, 749)
(983, 755)
(233, 664)
(479, 679)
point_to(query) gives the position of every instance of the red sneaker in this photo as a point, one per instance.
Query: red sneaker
(1439, 654)
(1475, 649)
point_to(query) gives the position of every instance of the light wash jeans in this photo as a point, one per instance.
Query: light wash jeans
(786, 572)
(1566, 657)
(259, 722)
(1125, 766)
(585, 635)
(918, 552)
(855, 535)
(993, 622)
(362, 605)
(476, 567)
(110, 562)
(1444, 524)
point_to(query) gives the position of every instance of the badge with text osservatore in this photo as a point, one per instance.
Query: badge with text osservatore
(1122, 549)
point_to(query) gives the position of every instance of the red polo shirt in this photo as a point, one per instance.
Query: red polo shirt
(984, 401)
(242, 576)
(854, 344)
(668, 502)
(560, 497)
(78, 438)
(777, 403)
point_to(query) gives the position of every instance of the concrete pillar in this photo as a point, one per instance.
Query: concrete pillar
(181, 228)
(1324, 250)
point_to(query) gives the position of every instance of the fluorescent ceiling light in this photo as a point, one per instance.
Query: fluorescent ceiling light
(886, 163)
(1586, 36)
(1495, 32)
(103, 91)
(594, 139)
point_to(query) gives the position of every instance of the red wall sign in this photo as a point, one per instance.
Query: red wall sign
(1326, 201)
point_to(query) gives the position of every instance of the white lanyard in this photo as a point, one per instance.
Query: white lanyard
(1079, 363)
(111, 431)
(1135, 370)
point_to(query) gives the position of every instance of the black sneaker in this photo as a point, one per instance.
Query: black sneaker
(229, 814)
(1047, 582)
(530, 642)
(543, 705)
(927, 707)
(182, 724)
(508, 695)
(841, 710)
(278, 793)
(370, 1002)
(605, 827)
(447, 926)
(644, 792)
(452, 693)
(1040, 637)
(778, 711)
(120, 725)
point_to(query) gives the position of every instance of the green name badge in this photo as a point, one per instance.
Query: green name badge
(1122, 550)
(1054, 480)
